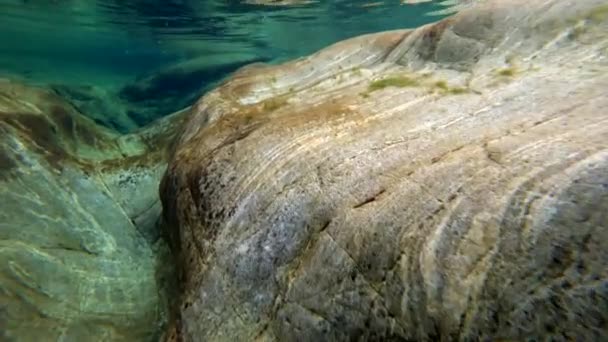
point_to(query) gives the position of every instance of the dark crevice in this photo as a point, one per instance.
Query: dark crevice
(69, 249)
(324, 227)
(369, 199)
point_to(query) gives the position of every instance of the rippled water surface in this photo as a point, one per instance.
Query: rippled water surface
(141, 59)
(104, 41)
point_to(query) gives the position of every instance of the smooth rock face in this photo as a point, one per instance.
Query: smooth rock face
(445, 183)
(79, 244)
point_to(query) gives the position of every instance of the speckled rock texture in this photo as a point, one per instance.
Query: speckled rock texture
(80, 249)
(446, 183)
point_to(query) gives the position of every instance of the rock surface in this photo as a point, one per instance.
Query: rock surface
(448, 183)
(79, 207)
(104, 106)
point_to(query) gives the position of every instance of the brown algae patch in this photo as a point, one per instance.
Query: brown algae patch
(435, 85)
(506, 72)
(458, 90)
(395, 81)
(274, 103)
(510, 70)
(443, 87)
(408, 81)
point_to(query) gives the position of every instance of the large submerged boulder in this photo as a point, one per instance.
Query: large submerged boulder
(82, 258)
(449, 182)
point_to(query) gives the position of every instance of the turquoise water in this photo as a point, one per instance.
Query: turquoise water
(111, 44)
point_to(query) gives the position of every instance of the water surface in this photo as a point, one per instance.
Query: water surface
(110, 43)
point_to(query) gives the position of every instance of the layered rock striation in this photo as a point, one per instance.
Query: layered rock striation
(448, 182)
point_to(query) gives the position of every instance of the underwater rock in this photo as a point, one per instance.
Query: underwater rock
(79, 243)
(449, 182)
(150, 97)
(175, 87)
(104, 106)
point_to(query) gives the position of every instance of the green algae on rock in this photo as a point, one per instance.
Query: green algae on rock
(402, 214)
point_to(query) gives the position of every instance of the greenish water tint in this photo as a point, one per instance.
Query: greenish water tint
(109, 44)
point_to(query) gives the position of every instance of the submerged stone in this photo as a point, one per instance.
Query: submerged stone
(79, 244)
(104, 106)
(313, 201)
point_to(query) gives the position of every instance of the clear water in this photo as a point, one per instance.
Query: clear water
(110, 43)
